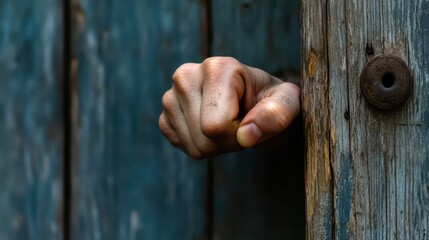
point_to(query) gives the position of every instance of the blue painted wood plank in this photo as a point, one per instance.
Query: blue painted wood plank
(259, 33)
(259, 194)
(30, 119)
(128, 181)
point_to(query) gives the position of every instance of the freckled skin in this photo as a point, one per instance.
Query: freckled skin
(222, 105)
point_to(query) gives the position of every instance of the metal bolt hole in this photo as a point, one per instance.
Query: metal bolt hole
(388, 79)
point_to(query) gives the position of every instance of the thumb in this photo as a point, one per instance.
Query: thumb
(270, 116)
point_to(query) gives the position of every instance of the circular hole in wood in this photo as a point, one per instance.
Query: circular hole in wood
(388, 79)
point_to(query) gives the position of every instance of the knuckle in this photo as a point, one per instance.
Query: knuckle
(187, 82)
(278, 112)
(195, 153)
(175, 142)
(168, 100)
(169, 133)
(294, 89)
(215, 65)
(206, 147)
(216, 61)
(214, 128)
(162, 123)
(183, 73)
(167, 130)
(224, 72)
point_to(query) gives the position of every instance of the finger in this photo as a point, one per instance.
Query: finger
(188, 89)
(270, 116)
(191, 111)
(168, 131)
(222, 90)
(187, 82)
(174, 114)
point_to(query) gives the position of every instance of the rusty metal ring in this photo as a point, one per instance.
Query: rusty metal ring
(386, 82)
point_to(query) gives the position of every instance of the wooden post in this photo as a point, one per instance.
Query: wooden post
(367, 171)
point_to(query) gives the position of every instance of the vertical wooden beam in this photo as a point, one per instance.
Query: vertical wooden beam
(366, 174)
(316, 113)
(31, 130)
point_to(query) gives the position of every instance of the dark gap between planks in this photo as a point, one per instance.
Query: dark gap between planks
(67, 123)
(206, 51)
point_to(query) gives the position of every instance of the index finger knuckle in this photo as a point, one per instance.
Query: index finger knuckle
(214, 127)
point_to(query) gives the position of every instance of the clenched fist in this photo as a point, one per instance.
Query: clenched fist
(222, 105)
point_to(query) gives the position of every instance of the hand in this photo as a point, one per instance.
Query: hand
(222, 105)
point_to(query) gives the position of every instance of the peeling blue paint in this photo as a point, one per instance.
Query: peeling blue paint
(30, 120)
(343, 195)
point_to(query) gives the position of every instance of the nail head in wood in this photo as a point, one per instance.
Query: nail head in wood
(386, 82)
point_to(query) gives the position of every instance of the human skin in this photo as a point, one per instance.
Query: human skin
(222, 105)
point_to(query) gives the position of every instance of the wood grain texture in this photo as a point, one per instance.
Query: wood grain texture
(371, 167)
(30, 119)
(128, 181)
(259, 194)
(316, 112)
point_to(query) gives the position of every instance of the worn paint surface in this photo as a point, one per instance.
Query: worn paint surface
(259, 194)
(30, 120)
(375, 176)
(128, 181)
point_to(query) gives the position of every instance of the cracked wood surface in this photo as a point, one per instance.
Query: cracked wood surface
(367, 171)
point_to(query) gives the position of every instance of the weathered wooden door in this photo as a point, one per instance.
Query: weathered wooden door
(367, 171)
(81, 155)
